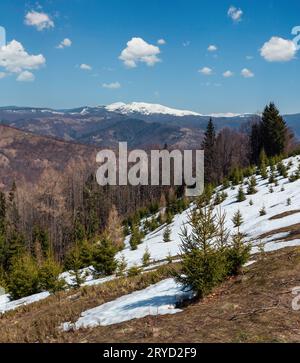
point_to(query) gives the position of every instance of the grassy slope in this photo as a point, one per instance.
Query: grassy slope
(254, 307)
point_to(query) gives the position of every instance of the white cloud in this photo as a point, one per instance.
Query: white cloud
(228, 74)
(138, 50)
(85, 67)
(246, 73)
(39, 20)
(15, 59)
(113, 85)
(206, 71)
(278, 50)
(212, 48)
(161, 42)
(65, 43)
(26, 76)
(2, 75)
(235, 14)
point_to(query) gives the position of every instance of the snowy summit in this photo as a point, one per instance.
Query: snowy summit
(148, 109)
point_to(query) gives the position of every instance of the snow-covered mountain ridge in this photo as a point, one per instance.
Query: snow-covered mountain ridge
(148, 109)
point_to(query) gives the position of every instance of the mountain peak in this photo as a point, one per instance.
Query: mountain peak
(147, 109)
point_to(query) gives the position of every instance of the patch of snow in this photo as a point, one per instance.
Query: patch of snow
(7, 305)
(158, 299)
(249, 263)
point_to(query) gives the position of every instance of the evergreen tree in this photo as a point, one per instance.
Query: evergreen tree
(273, 131)
(23, 277)
(146, 257)
(121, 266)
(104, 261)
(49, 275)
(209, 147)
(238, 254)
(263, 161)
(135, 238)
(74, 265)
(252, 186)
(167, 235)
(201, 262)
(241, 195)
(237, 219)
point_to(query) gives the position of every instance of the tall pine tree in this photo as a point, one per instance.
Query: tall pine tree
(209, 147)
(274, 131)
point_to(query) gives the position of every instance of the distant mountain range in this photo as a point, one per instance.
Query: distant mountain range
(140, 124)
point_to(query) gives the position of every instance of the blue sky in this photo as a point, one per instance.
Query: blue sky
(181, 73)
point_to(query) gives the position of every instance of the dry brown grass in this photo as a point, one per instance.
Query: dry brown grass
(293, 233)
(254, 307)
(285, 214)
(39, 322)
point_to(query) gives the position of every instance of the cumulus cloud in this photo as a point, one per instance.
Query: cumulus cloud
(212, 48)
(138, 50)
(206, 71)
(15, 59)
(235, 14)
(64, 43)
(2, 75)
(39, 20)
(278, 50)
(161, 42)
(228, 74)
(26, 76)
(113, 85)
(246, 73)
(85, 67)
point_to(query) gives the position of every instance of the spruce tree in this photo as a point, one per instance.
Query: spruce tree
(104, 261)
(209, 147)
(23, 277)
(121, 266)
(202, 266)
(241, 195)
(135, 238)
(273, 131)
(146, 258)
(167, 235)
(49, 275)
(252, 186)
(74, 265)
(238, 254)
(237, 219)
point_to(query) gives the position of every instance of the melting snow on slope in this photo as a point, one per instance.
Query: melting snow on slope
(158, 299)
(254, 225)
(7, 305)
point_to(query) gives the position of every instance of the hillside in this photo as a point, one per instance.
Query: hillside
(31, 160)
(243, 308)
